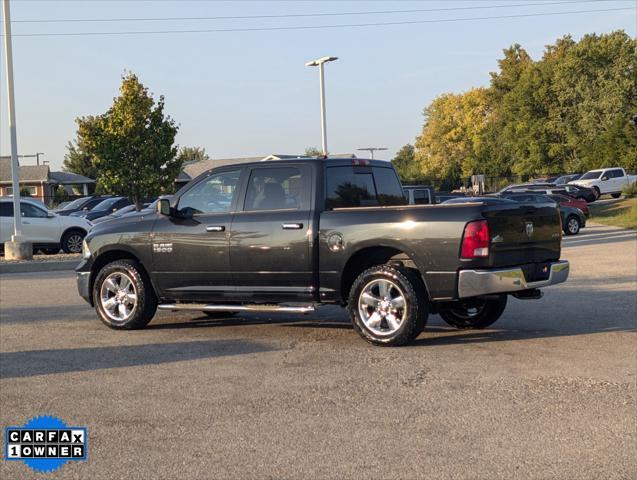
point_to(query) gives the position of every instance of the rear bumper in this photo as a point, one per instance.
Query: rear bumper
(472, 283)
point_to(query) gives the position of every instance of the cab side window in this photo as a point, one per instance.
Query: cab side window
(279, 188)
(30, 211)
(213, 194)
(6, 209)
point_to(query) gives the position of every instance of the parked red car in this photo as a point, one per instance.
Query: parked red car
(571, 202)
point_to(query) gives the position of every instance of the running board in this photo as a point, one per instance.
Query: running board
(202, 307)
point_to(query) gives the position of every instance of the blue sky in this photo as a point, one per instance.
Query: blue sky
(249, 93)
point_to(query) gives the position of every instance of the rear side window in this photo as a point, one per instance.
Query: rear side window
(6, 209)
(362, 187)
(278, 188)
(616, 173)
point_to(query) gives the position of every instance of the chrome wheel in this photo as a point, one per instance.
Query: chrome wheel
(118, 296)
(382, 307)
(573, 226)
(74, 243)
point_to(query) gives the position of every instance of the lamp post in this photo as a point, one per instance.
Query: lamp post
(371, 150)
(319, 63)
(16, 248)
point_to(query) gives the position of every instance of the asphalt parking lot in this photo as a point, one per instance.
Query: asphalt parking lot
(549, 392)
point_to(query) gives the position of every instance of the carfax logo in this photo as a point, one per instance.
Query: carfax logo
(45, 443)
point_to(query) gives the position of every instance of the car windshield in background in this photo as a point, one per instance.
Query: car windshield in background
(106, 204)
(75, 204)
(487, 200)
(591, 175)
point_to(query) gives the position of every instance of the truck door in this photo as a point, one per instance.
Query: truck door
(190, 255)
(270, 241)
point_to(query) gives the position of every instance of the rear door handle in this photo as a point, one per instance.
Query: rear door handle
(215, 228)
(292, 226)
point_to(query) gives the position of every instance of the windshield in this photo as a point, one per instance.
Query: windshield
(591, 175)
(75, 204)
(106, 204)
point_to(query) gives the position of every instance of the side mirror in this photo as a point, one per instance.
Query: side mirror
(50, 215)
(604, 179)
(163, 207)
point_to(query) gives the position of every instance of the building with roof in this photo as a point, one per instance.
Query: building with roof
(40, 182)
(195, 168)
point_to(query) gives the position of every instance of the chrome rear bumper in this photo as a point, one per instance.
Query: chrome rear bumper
(472, 283)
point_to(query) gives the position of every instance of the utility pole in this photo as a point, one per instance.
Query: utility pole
(371, 150)
(320, 63)
(16, 248)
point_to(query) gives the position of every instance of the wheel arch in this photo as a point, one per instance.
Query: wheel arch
(113, 255)
(367, 257)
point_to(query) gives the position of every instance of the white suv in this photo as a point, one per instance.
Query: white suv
(47, 230)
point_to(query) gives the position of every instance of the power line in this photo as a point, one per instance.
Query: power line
(316, 27)
(298, 15)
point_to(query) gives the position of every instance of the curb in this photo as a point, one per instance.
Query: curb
(30, 267)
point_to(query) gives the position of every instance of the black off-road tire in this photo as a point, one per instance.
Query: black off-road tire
(491, 310)
(72, 241)
(572, 225)
(616, 195)
(146, 304)
(416, 302)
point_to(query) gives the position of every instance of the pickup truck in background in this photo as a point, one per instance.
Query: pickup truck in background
(606, 180)
(290, 235)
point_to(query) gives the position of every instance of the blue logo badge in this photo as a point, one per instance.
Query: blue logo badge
(45, 443)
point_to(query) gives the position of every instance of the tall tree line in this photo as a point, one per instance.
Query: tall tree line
(570, 111)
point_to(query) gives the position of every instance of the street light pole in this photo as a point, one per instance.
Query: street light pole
(320, 63)
(15, 249)
(371, 150)
(15, 182)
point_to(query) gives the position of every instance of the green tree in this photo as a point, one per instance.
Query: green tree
(77, 160)
(132, 144)
(451, 145)
(313, 152)
(405, 164)
(192, 154)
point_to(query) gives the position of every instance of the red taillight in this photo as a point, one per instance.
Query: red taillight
(475, 241)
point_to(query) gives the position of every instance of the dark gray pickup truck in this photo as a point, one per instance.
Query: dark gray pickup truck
(288, 236)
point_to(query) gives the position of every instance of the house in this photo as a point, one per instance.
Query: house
(39, 181)
(192, 169)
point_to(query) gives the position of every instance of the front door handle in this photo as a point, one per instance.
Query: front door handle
(215, 228)
(292, 226)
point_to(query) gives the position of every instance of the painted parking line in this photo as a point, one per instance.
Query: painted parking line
(626, 236)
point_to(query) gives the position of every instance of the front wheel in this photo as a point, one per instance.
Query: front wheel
(388, 305)
(474, 312)
(72, 241)
(572, 226)
(123, 295)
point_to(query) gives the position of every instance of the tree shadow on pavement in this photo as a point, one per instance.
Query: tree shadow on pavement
(45, 362)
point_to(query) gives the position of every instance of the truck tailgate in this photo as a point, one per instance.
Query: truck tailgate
(524, 233)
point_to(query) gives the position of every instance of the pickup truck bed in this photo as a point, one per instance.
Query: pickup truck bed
(291, 235)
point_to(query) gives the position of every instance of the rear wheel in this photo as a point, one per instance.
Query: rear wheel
(388, 305)
(474, 312)
(123, 295)
(572, 225)
(616, 195)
